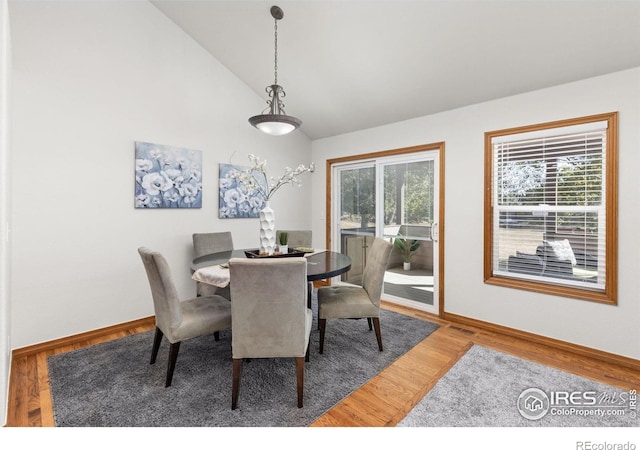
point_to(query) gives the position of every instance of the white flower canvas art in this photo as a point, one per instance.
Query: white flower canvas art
(240, 194)
(167, 177)
(244, 191)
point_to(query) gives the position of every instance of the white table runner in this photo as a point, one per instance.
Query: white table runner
(215, 275)
(219, 276)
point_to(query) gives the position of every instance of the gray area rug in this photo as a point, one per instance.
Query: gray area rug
(113, 385)
(484, 389)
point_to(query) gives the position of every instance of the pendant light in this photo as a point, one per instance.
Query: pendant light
(275, 122)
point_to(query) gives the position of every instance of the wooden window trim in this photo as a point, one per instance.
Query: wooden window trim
(609, 295)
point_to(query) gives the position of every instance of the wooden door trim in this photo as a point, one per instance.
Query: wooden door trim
(440, 147)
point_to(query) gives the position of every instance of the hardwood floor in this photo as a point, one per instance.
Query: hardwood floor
(382, 402)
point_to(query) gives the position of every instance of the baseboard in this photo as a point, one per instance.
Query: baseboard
(599, 355)
(610, 358)
(50, 345)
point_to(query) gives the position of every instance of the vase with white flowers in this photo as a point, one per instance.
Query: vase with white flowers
(255, 179)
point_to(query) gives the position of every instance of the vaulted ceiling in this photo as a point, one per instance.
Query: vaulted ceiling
(353, 64)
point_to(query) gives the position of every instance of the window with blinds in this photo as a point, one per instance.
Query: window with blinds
(550, 212)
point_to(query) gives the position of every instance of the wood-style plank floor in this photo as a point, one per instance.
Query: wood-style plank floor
(381, 402)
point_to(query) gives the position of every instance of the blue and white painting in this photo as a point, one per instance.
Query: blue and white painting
(240, 197)
(168, 177)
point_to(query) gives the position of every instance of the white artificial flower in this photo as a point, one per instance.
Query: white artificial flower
(253, 185)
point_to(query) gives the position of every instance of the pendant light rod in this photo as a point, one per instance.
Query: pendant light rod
(276, 122)
(276, 12)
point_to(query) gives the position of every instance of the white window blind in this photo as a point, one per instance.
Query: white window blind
(549, 205)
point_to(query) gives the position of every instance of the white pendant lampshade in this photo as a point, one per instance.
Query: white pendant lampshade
(275, 122)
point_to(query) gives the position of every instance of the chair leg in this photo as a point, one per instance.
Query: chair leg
(322, 323)
(216, 335)
(300, 379)
(376, 325)
(156, 345)
(235, 388)
(369, 322)
(173, 357)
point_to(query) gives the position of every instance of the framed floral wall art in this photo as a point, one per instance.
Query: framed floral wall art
(244, 191)
(240, 195)
(167, 177)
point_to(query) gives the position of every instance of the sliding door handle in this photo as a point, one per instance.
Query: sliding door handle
(434, 231)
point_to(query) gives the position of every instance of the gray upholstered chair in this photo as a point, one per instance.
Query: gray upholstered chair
(356, 302)
(180, 320)
(204, 244)
(270, 317)
(297, 238)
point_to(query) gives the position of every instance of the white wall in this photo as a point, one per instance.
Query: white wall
(5, 340)
(89, 79)
(609, 328)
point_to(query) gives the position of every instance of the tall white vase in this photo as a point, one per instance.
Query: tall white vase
(267, 230)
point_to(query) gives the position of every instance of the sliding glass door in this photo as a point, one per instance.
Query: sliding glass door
(395, 198)
(356, 225)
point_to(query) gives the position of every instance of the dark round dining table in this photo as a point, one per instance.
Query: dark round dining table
(320, 266)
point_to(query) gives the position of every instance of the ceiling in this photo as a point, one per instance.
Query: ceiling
(354, 64)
